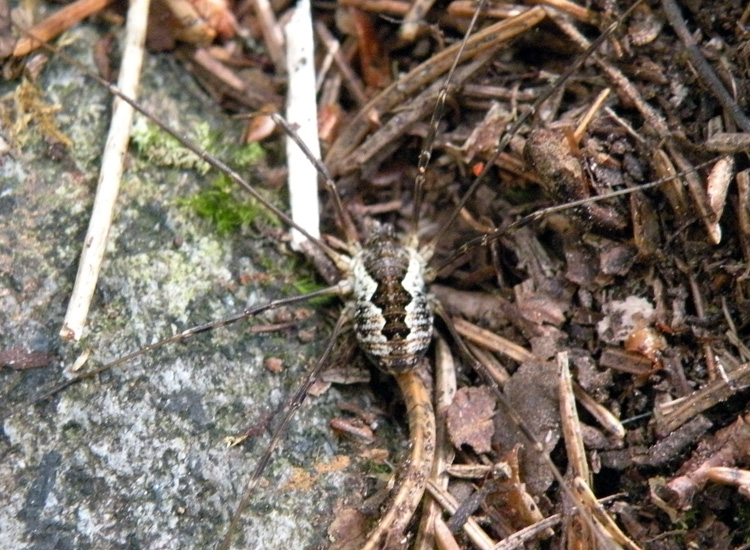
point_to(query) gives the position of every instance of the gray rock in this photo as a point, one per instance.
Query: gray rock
(136, 458)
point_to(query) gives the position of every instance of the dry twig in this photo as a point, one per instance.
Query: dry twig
(109, 176)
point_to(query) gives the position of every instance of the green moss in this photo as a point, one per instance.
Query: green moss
(305, 285)
(742, 521)
(378, 469)
(221, 204)
(248, 156)
(161, 149)
(691, 519)
(228, 208)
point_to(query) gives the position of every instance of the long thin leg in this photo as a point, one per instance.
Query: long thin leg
(484, 240)
(505, 140)
(291, 408)
(347, 226)
(184, 335)
(437, 114)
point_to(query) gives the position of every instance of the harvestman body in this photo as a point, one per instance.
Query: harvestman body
(392, 310)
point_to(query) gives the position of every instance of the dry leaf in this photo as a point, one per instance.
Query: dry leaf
(469, 419)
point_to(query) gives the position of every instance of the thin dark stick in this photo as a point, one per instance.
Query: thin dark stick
(702, 67)
(344, 221)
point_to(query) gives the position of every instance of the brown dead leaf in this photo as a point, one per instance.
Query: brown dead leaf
(532, 393)
(469, 419)
(617, 259)
(486, 134)
(348, 529)
(274, 364)
(547, 304)
(559, 167)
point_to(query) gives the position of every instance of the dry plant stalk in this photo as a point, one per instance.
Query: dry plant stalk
(673, 414)
(302, 113)
(57, 23)
(110, 176)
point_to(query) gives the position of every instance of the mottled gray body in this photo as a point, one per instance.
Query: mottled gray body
(392, 309)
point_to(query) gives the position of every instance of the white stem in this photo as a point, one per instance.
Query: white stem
(110, 174)
(302, 114)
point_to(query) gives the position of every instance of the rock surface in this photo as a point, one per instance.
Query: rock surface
(136, 458)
